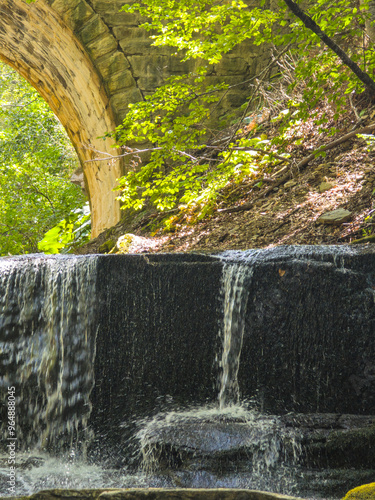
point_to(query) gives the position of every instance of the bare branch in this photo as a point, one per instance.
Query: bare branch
(129, 153)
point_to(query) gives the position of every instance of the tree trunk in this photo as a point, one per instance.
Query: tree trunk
(311, 25)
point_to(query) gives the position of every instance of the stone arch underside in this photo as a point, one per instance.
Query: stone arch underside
(89, 61)
(37, 43)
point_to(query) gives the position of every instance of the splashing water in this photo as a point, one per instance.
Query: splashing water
(47, 344)
(203, 446)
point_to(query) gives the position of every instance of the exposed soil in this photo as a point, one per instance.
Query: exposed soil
(285, 210)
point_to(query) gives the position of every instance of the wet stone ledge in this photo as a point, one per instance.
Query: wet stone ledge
(153, 494)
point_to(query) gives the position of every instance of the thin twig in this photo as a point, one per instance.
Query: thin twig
(130, 153)
(262, 151)
(354, 108)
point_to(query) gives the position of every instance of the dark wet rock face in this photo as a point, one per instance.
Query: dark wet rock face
(309, 341)
(247, 369)
(157, 339)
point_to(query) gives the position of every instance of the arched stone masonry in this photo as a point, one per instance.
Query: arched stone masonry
(89, 61)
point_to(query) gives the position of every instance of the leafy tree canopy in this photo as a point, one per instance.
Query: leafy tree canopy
(179, 174)
(36, 162)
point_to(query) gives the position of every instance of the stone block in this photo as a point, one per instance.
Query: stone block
(135, 47)
(228, 79)
(232, 66)
(101, 46)
(105, 6)
(178, 66)
(233, 100)
(120, 102)
(335, 217)
(65, 9)
(120, 81)
(80, 15)
(247, 50)
(135, 40)
(93, 30)
(150, 83)
(130, 33)
(62, 6)
(122, 19)
(147, 65)
(111, 64)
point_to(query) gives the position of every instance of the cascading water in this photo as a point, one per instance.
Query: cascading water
(192, 444)
(168, 359)
(235, 302)
(48, 346)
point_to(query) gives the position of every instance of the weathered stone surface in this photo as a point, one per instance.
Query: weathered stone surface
(112, 64)
(154, 494)
(128, 243)
(119, 81)
(334, 441)
(93, 29)
(213, 441)
(336, 217)
(308, 345)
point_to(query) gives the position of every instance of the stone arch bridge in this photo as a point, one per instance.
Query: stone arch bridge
(89, 61)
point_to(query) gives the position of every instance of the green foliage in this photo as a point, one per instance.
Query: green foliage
(174, 120)
(205, 29)
(68, 234)
(36, 162)
(324, 74)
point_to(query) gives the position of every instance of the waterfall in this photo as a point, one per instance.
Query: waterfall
(236, 282)
(47, 347)
(168, 358)
(235, 302)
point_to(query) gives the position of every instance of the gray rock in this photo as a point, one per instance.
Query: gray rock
(335, 218)
(325, 186)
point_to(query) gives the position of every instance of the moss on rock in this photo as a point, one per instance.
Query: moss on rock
(124, 243)
(364, 492)
(106, 246)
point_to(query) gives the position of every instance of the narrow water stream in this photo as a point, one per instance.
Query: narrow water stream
(235, 302)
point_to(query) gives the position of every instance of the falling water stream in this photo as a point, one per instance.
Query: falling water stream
(50, 359)
(203, 438)
(48, 328)
(235, 302)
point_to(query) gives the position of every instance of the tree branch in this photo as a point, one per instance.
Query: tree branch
(311, 25)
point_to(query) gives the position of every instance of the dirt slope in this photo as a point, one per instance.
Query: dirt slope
(285, 210)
